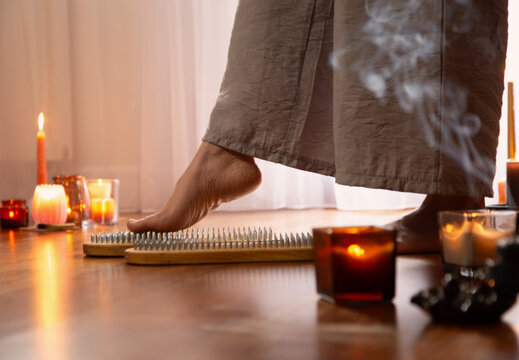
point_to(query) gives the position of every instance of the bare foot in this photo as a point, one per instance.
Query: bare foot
(215, 175)
(418, 231)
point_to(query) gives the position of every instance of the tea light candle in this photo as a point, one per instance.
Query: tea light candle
(41, 153)
(355, 264)
(49, 204)
(471, 242)
(103, 210)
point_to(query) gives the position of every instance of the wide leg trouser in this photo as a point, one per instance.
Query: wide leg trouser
(396, 94)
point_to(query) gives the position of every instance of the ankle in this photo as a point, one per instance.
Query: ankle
(211, 151)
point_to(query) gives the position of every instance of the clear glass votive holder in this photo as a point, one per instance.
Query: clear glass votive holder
(469, 238)
(78, 200)
(104, 200)
(355, 264)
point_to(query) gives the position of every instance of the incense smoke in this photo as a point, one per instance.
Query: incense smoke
(406, 38)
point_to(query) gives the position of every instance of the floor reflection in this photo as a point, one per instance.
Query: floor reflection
(253, 275)
(352, 330)
(48, 302)
(11, 242)
(488, 341)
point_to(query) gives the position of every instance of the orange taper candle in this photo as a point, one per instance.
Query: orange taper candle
(40, 153)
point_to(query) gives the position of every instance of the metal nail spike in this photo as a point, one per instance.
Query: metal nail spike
(162, 244)
(206, 239)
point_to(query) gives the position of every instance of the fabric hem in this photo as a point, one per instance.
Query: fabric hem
(300, 163)
(405, 184)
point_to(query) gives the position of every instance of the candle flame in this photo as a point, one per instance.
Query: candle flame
(99, 182)
(11, 214)
(41, 120)
(355, 250)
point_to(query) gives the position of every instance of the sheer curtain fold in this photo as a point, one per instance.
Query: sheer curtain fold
(127, 87)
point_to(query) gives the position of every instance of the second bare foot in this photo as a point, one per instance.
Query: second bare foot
(418, 232)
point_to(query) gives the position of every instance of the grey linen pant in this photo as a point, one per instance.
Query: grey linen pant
(395, 94)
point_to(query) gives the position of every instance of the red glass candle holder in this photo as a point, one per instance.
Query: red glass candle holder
(14, 214)
(355, 264)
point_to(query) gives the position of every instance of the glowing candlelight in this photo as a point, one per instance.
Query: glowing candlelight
(468, 239)
(103, 210)
(49, 204)
(41, 152)
(103, 200)
(355, 264)
(14, 214)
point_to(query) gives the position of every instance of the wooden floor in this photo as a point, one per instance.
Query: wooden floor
(57, 304)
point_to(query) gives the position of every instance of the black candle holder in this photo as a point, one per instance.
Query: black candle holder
(482, 298)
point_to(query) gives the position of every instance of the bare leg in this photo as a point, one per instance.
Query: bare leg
(215, 175)
(418, 231)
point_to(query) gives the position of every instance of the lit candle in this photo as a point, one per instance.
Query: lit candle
(355, 263)
(40, 153)
(103, 210)
(102, 203)
(49, 204)
(472, 242)
(13, 214)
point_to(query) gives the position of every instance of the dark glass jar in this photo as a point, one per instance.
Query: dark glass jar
(78, 202)
(355, 264)
(14, 214)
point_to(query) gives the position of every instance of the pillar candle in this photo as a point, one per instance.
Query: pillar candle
(49, 204)
(40, 153)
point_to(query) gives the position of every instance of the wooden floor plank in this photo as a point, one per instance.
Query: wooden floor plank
(55, 303)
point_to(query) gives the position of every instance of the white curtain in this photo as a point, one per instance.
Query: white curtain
(127, 87)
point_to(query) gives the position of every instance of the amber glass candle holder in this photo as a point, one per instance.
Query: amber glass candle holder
(14, 214)
(355, 264)
(78, 200)
(104, 200)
